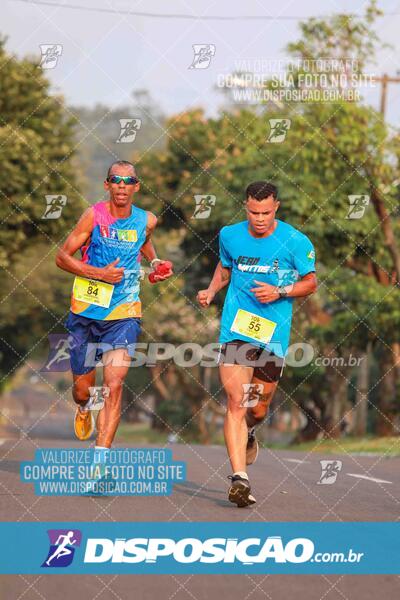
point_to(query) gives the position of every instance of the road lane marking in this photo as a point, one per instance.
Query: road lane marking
(368, 478)
(296, 460)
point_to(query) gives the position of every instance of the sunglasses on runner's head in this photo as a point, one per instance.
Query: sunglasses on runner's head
(129, 180)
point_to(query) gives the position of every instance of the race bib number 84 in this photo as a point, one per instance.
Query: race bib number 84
(93, 291)
(253, 326)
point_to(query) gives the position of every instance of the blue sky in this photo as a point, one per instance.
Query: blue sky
(106, 56)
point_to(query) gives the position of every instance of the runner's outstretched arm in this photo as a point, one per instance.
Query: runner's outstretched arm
(220, 279)
(76, 239)
(148, 249)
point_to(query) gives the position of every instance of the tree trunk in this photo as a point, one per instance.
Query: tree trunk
(362, 385)
(202, 423)
(161, 393)
(386, 409)
(313, 428)
(387, 229)
(129, 407)
(336, 406)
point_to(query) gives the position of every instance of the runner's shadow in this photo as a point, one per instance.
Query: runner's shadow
(190, 486)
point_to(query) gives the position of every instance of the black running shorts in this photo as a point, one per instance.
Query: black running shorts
(267, 366)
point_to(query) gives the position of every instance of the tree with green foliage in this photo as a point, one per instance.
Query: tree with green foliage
(332, 151)
(37, 159)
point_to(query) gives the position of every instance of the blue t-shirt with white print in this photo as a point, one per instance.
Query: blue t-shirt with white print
(279, 259)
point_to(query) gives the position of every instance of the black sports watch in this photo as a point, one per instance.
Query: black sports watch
(282, 292)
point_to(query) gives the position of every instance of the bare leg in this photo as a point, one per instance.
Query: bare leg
(114, 372)
(82, 383)
(235, 428)
(256, 414)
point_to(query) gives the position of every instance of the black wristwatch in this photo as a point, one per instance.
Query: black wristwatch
(282, 292)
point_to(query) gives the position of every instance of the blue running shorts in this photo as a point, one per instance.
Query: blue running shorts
(91, 338)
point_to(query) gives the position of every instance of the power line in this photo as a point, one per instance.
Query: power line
(190, 17)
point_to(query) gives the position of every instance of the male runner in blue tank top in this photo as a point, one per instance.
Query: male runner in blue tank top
(105, 306)
(267, 264)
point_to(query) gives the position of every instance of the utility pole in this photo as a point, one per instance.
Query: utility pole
(385, 79)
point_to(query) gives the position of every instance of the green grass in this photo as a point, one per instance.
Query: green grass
(134, 433)
(390, 446)
(137, 433)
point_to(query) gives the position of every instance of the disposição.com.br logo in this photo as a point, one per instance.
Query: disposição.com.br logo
(62, 547)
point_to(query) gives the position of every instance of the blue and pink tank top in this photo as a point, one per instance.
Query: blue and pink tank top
(112, 238)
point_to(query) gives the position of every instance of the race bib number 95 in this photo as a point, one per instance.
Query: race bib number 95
(253, 326)
(93, 291)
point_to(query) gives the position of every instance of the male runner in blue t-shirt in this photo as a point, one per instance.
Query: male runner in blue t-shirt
(267, 264)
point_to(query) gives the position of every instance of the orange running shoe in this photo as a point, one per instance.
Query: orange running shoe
(83, 424)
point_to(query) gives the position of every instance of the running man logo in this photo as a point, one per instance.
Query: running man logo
(252, 393)
(286, 278)
(59, 352)
(279, 129)
(50, 54)
(54, 205)
(131, 281)
(129, 129)
(98, 395)
(330, 470)
(62, 547)
(204, 204)
(203, 54)
(358, 204)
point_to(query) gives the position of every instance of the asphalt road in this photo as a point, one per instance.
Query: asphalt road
(284, 484)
